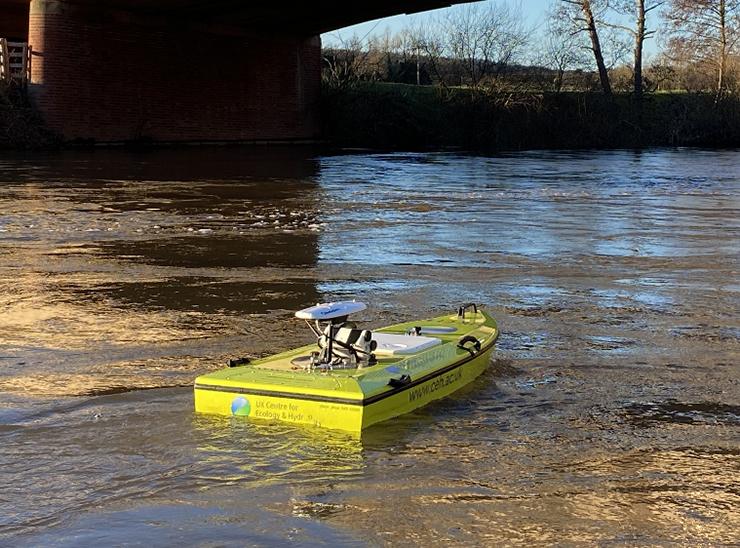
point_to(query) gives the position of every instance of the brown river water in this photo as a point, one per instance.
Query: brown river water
(610, 413)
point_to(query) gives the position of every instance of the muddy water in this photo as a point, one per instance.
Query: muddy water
(610, 412)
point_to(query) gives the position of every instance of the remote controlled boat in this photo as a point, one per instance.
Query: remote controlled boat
(352, 377)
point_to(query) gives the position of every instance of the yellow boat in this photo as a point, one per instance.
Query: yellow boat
(353, 378)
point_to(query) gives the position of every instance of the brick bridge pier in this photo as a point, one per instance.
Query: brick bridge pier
(181, 70)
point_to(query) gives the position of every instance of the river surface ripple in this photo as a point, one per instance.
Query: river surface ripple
(610, 412)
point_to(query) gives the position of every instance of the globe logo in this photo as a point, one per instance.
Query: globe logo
(240, 407)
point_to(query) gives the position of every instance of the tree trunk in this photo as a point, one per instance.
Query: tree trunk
(722, 69)
(639, 41)
(596, 47)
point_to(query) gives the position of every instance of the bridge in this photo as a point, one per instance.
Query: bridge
(182, 70)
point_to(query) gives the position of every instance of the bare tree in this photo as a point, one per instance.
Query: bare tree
(639, 11)
(484, 39)
(562, 51)
(347, 64)
(391, 54)
(409, 50)
(710, 29)
(581, 13)
(428, 41)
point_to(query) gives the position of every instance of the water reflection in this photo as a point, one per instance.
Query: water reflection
(264, 453)
(109, 256)
(222, 164)
(177, 459)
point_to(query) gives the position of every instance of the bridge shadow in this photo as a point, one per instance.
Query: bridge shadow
(224, 230)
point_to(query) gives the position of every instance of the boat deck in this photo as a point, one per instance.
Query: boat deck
(446, 329)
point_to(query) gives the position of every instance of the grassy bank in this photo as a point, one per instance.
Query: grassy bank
(21, 126)
(404, 116)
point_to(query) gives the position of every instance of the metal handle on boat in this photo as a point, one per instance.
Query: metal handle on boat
(403, 380)
(469, 339)
(463, 308)
(236, 362)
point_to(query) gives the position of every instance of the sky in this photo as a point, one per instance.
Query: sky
(535, 15)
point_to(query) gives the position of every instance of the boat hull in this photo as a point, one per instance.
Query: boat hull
(427, 391)
(338, 413)
(349, 402)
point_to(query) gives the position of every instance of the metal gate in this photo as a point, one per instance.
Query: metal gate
(15, 61)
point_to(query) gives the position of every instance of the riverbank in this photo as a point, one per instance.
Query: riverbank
(398, 116)
(407, 117)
